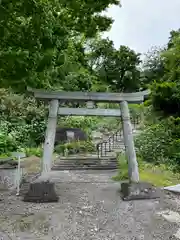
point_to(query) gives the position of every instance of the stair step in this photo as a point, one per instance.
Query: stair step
(82, 158)
(85, 163)
(111, 142)
(95, 167)
(117, 146)
(112, 149)
(109, 159)
(88, 164)
(107, 146)
(103, 145)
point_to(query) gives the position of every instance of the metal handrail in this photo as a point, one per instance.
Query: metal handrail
(109, 144)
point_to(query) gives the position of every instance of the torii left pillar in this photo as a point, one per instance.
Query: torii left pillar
(42, 189)
(50, 137)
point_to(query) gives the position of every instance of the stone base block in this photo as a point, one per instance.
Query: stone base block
(139, 191)
(41, 192)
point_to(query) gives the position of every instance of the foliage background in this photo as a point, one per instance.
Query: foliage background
(160, 141)
(59, 45)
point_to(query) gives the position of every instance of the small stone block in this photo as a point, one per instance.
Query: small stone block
(139, 191)
(41, 192)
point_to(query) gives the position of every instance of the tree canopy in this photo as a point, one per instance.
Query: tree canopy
(42, 41)
(58, 44)
(118, 69)
(166, 87)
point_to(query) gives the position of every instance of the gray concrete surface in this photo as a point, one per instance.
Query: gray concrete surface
(9, 177)
(90, 207)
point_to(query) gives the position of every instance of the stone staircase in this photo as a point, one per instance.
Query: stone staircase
(104, 159)
(114, 144)
(91, 162)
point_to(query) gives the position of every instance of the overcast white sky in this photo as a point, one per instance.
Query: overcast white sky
(141, 24)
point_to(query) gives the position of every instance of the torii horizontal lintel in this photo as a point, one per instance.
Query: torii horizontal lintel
(89, 112)
(136, 97)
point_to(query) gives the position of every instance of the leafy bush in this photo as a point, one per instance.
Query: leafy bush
(7, 143)
(136, 110)
(160, 143)
(23, 119)
(38, 152)
(21, 134)
(153, 143)
(174, 153)
(20, 108)
(86, 146)
(4, 156)
(166, 98)
(75, 147)
(150, 116)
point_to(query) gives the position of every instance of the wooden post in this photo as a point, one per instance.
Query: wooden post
(129, 143)
(50, 137)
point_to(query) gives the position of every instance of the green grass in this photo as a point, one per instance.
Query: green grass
(4, 155)
(159, 176)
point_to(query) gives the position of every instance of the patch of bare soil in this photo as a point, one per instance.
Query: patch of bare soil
(32, 164)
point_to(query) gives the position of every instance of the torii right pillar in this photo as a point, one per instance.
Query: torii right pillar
(135, 189)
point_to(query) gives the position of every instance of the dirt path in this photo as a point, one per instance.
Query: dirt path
(89, 208)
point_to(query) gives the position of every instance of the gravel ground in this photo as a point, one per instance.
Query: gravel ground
(90, 207)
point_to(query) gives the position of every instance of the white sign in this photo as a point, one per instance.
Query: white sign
(70, 135)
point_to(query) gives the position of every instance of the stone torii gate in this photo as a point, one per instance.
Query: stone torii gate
(54, 110)
(55, 98)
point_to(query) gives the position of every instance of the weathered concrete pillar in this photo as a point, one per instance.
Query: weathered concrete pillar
(142, 115)
(42, 189)
(129, 143)
(50, 137)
